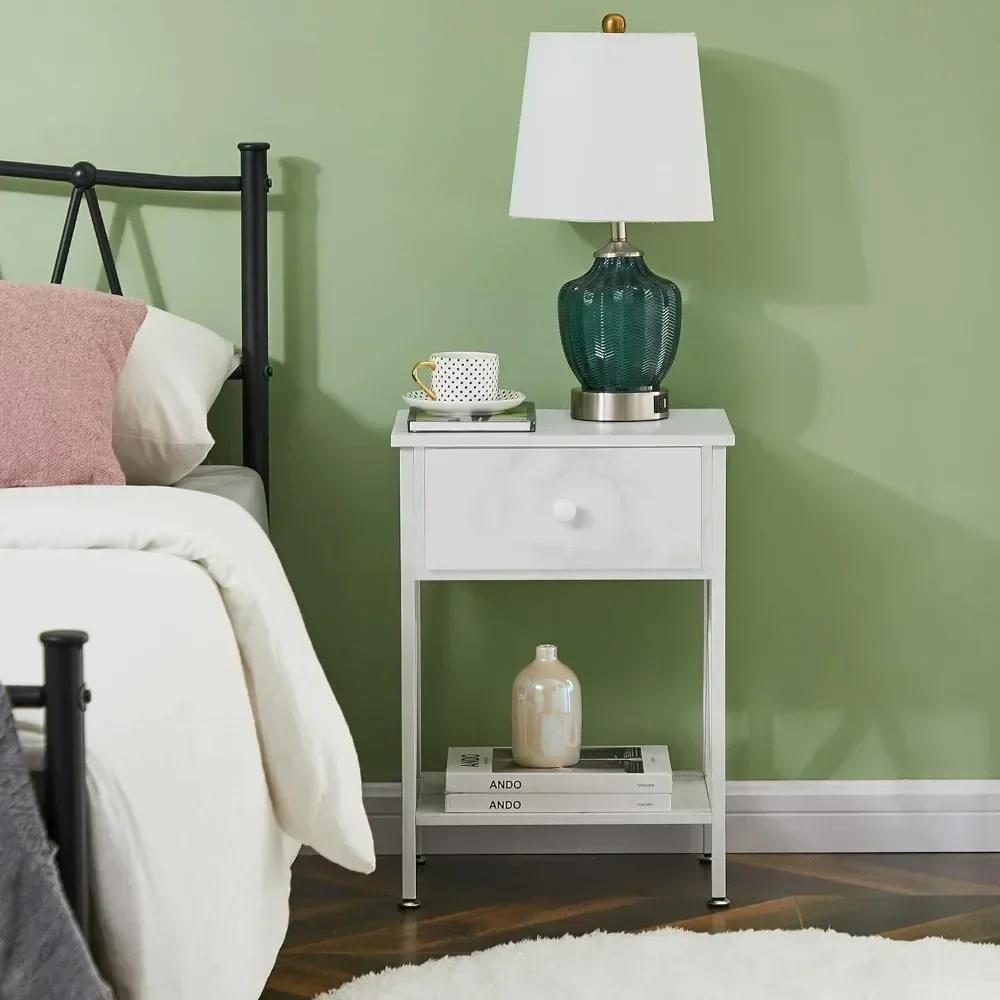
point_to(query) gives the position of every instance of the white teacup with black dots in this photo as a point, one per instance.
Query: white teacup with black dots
(461, 376)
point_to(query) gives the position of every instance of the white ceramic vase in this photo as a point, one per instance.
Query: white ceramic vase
(547, 713)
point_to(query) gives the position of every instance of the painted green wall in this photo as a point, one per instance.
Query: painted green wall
(841, 309)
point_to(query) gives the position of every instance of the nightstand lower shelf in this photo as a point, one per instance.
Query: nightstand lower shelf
(690, 806)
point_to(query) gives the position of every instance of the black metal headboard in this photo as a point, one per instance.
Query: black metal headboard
(252, 184)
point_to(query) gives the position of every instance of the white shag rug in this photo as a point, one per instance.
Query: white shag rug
(684, 965)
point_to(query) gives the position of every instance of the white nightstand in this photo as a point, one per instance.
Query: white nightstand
(571, 501)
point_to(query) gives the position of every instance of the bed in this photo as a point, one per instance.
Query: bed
(238, 483)
(215, 746)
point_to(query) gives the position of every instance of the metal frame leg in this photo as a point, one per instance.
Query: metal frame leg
(410, 728)
(716, 648)
(705, 857)
(409, 618)
(421, 860)
(65, 766)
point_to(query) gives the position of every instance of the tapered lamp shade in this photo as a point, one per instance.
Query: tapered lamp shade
(612, 130)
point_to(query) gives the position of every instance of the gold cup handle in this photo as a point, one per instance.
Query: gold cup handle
(431, 394)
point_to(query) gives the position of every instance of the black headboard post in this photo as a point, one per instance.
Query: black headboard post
(257, 370)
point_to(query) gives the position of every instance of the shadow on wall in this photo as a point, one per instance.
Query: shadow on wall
(333, 481)
(786, 224)
(862, 638)
(786, 227)
(127, 211)
(868, 633)
(334, 490)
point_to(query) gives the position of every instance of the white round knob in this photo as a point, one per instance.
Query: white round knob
(564, 511)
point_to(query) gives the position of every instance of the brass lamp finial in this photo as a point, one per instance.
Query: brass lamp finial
(613, 24)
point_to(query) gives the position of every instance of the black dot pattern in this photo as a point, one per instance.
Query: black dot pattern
(466, 380)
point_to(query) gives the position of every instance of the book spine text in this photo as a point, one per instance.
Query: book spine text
(568, 803)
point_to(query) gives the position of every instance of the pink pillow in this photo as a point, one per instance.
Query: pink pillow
(61, 351)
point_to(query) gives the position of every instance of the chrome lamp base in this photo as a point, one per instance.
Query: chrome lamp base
(612, 407)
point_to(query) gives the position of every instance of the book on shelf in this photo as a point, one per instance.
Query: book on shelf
(521, 418)
(561, 802)
(491, 771)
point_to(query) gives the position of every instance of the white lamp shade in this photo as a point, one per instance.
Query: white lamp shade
(612, 130)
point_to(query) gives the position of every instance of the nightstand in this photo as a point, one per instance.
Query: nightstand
(571, 501)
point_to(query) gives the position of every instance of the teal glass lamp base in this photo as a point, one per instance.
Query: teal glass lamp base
(620, 326)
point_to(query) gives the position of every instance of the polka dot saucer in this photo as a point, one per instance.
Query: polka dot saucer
(507, 400)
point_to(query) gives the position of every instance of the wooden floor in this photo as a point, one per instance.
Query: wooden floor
(344, 925)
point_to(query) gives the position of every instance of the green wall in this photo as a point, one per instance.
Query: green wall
(841, 309)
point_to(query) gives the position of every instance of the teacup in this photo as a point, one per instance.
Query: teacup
(461, 376)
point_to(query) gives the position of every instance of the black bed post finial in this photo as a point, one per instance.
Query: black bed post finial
(65, 774)
(254, 184)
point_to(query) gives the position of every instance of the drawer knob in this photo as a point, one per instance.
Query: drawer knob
(564, 511)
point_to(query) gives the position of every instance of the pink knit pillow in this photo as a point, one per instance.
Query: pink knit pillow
(61, 351)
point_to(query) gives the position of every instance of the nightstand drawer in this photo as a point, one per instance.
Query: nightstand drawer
(562, 509)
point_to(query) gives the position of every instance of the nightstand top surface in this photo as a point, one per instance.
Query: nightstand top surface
(556, 429)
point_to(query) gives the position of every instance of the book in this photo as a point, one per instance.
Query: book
(607, 770)
(584, 802)
(521, 418)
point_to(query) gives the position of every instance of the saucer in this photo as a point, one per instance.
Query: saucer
(507, 400)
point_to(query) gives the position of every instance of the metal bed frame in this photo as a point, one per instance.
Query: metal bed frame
(252, 185)
(64, 695)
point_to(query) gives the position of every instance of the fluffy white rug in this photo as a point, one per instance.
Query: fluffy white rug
(684, 965)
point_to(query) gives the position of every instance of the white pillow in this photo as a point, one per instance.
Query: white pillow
(172, 376)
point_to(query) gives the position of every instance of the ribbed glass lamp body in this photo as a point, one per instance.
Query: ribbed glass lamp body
(620, 325)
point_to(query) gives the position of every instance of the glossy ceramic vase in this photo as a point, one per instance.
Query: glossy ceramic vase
(547, 713)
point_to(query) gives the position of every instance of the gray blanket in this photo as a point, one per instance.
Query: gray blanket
(42, 953)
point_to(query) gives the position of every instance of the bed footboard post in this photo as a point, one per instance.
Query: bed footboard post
(65, 766)
(254, 185)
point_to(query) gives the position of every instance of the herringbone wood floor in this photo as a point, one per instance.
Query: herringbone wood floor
(343, 925)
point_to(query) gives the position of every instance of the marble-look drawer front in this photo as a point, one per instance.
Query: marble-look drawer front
(563, 509)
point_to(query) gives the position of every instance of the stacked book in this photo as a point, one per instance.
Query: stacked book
(521, 418)
(606, 780)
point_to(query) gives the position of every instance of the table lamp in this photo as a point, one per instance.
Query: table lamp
(612, 130)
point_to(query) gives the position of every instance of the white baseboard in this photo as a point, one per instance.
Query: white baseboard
(764, 817)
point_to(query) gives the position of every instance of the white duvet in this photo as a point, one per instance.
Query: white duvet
(215, 743)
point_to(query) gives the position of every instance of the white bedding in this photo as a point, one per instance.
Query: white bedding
(235, 482)
(215, 745)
